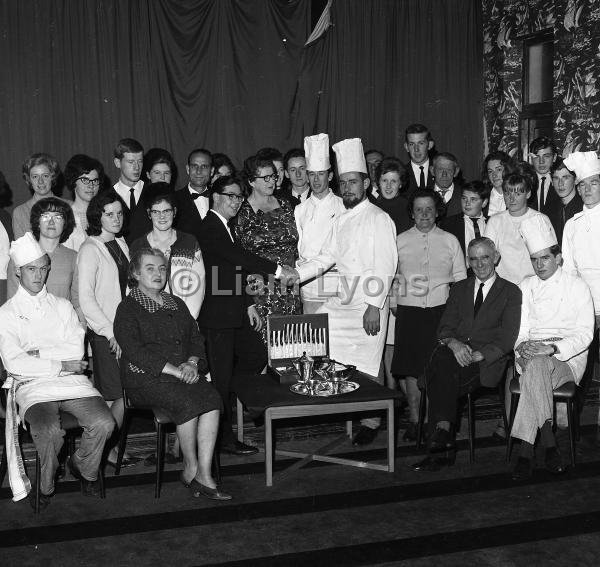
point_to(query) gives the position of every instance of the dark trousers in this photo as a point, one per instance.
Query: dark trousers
(236, 352)
(446, 382)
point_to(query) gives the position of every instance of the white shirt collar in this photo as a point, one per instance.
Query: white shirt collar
(195, 192)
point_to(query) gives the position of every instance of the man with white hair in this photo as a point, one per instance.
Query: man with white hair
(41, 345)
(314, 219)
(557, 324)
(580, 249)
(362, 245)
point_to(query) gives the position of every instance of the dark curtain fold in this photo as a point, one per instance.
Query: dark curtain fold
(77, 75)
(387, 63)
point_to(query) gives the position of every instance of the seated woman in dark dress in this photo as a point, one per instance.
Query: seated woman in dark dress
(164, 364)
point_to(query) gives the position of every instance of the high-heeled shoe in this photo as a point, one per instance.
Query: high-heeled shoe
(197, 489)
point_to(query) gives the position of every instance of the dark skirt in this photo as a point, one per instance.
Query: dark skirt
(180, 400)
(107, 378)
(415, 338)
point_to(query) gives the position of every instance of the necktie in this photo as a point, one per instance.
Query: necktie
(131, 199)
(478, 300)
(422, 178)
(542, 186)
(476, 227)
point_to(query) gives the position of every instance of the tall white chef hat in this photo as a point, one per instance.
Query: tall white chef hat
(25, 249)
(316, 149)
(350, 156)
(538, 233)
(584, 164)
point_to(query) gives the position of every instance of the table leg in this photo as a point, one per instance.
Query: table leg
(391, 442)
(268, 448)
(240, 421)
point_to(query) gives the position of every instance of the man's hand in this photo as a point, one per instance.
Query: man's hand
(114, 347)
(476, 356)
(371, 323)
(289, 276)
(189, 373)
(529, 349)
(462, 352)
(75, 366)
(256, 321)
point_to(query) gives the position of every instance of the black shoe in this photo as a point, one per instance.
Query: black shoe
(88, 487)
(553, 461)
(411, 432)
(523, 470)
(365, 435)
(441, 440)
(198, 489)
(44, 500)
(238, 448)
(435, 462)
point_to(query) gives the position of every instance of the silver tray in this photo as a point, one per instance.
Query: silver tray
(324, 390)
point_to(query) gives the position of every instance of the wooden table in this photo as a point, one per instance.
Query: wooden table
(263, 395)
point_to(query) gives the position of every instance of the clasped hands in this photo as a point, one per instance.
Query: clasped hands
(188, 372)
(463, 353)
(289, 276)
(528, 349)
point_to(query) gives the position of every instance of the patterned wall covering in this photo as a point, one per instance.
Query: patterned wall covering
(576, 27)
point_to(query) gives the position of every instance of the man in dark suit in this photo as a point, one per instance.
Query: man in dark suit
(192, 200)
(470, 223)
(418, 143)
(444, 170)
(476, 334)
(228, 318)
(542, 153)
(297, 190)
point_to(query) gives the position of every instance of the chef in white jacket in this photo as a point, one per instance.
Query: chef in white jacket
(41, 344)
(314, 220)
(362, 245)
(557, 324)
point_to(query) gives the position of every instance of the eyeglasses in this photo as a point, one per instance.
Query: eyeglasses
(267, 178)
(88, 181)
(46, 217)
(233, 197)
(164, 213)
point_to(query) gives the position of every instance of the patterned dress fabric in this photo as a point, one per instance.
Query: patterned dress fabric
(272, 235)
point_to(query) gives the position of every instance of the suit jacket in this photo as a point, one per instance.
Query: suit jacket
(454, 205)
(495, 329)
(188, 218)
(455, 224)
(286, 193)
(551, 196)
(225, 303)
(413, 183)
(138, 221)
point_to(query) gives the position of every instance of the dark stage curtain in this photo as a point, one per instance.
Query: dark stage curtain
(232, 75)
(387, 63)
(77, 75)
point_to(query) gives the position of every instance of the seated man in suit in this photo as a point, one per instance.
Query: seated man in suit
(228, 318)
(476, 334)
(418, 143)
(542, 153)
(445, 170)
(470, 223)
(557, 325)
(41, 344)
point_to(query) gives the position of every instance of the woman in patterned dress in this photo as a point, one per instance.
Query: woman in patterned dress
(265, 225)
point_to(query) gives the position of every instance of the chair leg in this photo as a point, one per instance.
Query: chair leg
(471, 424)
(501, 396)
(3, 465)
(216, 466)
(571, 420)
(160, 454)
(38, 482)
(122, 440)
(420, 423)
(514, 401)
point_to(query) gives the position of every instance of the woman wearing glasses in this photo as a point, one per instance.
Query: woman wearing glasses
(185, 268)
(84, 176)
(52, 222)
(266, 226)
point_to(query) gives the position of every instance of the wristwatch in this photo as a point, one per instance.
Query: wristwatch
(554, 348)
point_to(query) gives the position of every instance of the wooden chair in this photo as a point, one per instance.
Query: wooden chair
(566, 393)
(162, 420)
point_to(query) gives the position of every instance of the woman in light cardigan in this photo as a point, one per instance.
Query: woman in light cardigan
(102, 266)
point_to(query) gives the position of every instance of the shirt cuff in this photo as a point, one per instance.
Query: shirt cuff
(278, 271)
